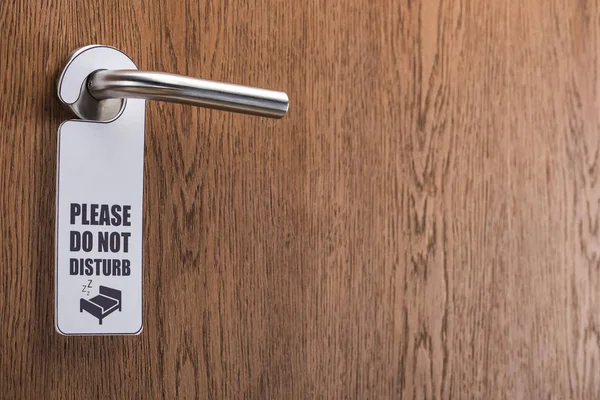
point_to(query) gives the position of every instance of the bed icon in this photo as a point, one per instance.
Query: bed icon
(100, 306)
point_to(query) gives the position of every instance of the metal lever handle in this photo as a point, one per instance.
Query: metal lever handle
(119, 84)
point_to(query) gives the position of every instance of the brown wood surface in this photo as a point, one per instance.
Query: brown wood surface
(423, 224)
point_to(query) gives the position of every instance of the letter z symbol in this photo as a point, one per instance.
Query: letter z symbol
(86, 287)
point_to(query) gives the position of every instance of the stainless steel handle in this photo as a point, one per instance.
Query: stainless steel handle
(119, 84)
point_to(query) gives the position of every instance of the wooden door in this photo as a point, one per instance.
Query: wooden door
(422, 224)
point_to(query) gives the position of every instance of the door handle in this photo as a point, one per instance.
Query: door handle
(103, 93)
(116, 84)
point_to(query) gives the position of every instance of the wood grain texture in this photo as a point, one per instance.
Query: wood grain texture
(423, 224)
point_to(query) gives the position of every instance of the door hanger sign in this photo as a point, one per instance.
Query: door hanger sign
(98, 283)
